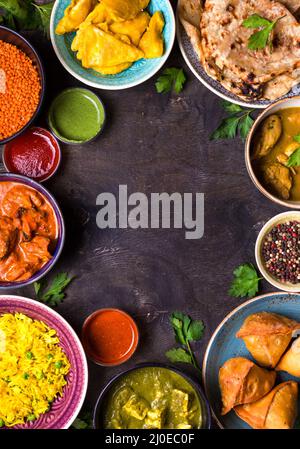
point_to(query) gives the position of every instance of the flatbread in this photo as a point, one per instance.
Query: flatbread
(220, 41)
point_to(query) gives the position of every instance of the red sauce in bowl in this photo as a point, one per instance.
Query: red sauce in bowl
(109, 337)
(35, 153)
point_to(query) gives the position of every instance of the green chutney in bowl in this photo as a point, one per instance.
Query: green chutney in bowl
(76, 116)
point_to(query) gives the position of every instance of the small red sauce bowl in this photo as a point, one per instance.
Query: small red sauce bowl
(35, 153)
(109, 337)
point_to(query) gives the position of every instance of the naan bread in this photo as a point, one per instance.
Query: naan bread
(220, 41)
(292, 5)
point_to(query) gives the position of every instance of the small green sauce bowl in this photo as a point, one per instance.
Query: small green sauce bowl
(76, 116)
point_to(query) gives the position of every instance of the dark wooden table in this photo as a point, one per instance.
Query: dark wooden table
(152, 143)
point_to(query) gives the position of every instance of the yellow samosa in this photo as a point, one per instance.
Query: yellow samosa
(125, 9)
(152, 43)
(74, 15)
(132, 28)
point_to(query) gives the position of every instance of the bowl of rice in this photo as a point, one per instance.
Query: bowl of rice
(43, 368)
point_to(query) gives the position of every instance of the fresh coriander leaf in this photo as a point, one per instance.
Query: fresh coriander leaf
(231, 107)
(179, 81)
(294, 159)
(55, 293)
(245, 282)
(17, 9)
(245, 125)
(79, 424)
(171, 78)
(297, 138)
(44, 12)
(37, 288)
(176, 355)
(256, 21)
(227, 129)
(195, 331)
(177, 320)
(83, 421)
(260, 39)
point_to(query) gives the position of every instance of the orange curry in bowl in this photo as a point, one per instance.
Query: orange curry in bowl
(28, 231)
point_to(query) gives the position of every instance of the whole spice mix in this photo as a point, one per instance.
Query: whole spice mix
(281, 252)
(20, 89)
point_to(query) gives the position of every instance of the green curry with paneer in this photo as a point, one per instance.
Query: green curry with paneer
(153, 398)
(276, 152)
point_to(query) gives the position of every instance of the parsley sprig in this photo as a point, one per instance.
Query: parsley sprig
(83, 421)
(239, 121)
(54, 294)
(25, 15)
(260, 39)
(294, 159)
(186, 330)
(245, 282)
(171, 79)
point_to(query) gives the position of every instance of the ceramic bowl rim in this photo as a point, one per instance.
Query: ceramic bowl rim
(59, 155)
(128, 85)
(43, 85)
(61, 226)
(217, 330)
(189, 378)
(248, 143)
(58, 317)
(279, 218)
(74, 142)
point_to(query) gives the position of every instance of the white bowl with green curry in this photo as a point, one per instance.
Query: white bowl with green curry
(152, 396)
(273, 153)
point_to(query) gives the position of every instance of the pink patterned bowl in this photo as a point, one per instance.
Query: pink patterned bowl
(63, 410)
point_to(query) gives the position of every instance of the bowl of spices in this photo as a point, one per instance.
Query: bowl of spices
(35, 154)
(110, 337)
(76, 116)
(21, 84)
(277, 251)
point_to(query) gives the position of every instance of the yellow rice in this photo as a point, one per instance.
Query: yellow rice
(32, 368)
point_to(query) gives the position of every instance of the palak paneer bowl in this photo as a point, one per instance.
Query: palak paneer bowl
(272, 153)
(152, 396)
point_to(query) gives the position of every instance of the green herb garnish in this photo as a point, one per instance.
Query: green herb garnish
(294, 159)
(58, 364)
(260, 39)
(29, 355)
(171, 78)
(84, 421)
(238, 122)
(54, 295)
(245, 282)
(31, 417)
(186, 330)
(1, 422)
(26, 15)
(26, 376)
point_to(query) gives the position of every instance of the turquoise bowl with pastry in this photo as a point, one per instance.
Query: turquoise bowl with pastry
(139, 72)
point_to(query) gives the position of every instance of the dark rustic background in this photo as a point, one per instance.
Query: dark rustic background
(152, 143)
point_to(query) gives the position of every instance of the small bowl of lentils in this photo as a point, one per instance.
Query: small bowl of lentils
(277, 251)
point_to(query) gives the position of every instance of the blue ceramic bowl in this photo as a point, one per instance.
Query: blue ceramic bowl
(101, 402)
(224, 345)
(139, 72)
(60, 223)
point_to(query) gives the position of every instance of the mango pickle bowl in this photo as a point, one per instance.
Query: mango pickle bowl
(268, 150)
(32, 231)
(274, 247)
(171, 400)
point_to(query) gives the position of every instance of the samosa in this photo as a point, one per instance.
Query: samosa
(74, 15)
(152, 43)
(266, 336)
(243, 382)
(290, 362)
(276, 410)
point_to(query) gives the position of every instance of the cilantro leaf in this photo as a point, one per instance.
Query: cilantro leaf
(261, 38)
(171, 78)
(227, 129)
(55, 293)
(231, 107)
(178, 321)
(83, 421)
(44, 12)
(178, 355)
(294, 159)
(245, 125)
(195, 330)
(245, 282)
(297, 138)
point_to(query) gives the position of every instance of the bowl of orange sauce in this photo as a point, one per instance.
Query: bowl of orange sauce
(32, 231)
(110, 337)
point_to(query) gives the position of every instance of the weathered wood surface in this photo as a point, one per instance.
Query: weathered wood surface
(153, 143)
